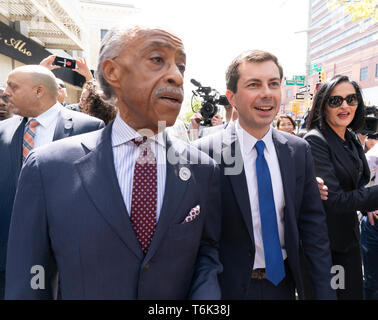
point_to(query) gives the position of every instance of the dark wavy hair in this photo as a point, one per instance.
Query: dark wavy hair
(97, 107)
(316, 118)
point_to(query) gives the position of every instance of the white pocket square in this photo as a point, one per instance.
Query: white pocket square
(194, 213)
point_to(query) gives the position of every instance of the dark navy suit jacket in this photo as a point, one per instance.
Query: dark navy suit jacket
(11, 138)
(69, 217)
(304, 217)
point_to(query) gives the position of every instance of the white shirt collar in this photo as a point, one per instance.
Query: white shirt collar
(247, 141)
(123, 133)
(47, 118)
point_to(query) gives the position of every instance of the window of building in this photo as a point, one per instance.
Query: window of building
(103, 33)
(355, 44)
(334, 26)
(314, 2)
(333, 40)
(364, 73)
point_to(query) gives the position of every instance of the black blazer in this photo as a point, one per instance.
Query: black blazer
(346, 194)
(305, 222)
(69, 123)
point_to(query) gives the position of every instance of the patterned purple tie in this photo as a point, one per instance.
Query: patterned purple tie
(144, 194)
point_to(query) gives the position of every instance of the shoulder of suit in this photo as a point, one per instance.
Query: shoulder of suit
(315, 133)
(68, 149)
(209, 140)
(190, 151)
(79, 116)
(291, 138)
(11, 122)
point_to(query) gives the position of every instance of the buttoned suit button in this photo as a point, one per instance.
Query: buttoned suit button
(147, 266)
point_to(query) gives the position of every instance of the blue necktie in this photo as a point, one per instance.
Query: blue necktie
(274, 265)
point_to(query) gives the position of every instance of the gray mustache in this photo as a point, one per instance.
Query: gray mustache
(164, 90)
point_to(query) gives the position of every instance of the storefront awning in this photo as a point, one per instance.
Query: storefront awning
(48, 22)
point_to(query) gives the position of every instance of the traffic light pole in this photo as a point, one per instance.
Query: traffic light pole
(307, 92)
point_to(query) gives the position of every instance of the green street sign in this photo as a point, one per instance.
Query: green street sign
(290, 82)
(301, 78)
(318, 69)
(313, 66)
(300, 82)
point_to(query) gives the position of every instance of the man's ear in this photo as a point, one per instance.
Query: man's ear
(40, 91)
(112, 72)
(231, 98)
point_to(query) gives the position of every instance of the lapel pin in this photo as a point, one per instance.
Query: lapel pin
(184, 174)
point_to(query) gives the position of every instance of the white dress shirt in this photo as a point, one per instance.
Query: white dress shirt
(249, 154)
(44, 132)
(125, 154)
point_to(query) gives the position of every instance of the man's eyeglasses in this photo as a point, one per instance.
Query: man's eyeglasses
(61, 85)
(337, 101)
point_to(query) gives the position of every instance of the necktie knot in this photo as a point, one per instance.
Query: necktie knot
(33, 123)
(139, 141)
(260, 145)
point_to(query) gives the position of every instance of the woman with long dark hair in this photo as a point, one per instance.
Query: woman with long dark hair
(337, 113)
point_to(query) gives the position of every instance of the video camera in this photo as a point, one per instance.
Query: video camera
(210, 99)
(370, 128)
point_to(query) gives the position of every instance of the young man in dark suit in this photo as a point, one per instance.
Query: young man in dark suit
(31, 94)
(271, 207)
(142, 221)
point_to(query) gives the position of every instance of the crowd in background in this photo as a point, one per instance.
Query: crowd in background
(345, 155)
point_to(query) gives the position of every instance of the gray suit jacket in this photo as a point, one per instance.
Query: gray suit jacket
(11, 138)
(69, 216)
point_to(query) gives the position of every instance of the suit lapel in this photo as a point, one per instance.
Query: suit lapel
(16, 147)
(287, 167)
(99, 178)
(175, 189)
(64, 125)
(366, 171)
(231, 146)
(286, 160)
(341, 154)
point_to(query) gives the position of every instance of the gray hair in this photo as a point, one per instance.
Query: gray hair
(113, 44)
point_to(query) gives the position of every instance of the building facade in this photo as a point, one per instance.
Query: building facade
(30, 30)
(100, 16)
(336, 45)
(342, 46)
